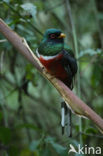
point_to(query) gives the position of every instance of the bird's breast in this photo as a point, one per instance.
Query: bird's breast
(54, 65)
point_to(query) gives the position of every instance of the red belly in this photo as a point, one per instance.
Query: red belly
(55, 67)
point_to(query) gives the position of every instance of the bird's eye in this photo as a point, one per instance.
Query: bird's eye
(52, 36)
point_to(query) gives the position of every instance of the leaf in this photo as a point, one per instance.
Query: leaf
(90, 52)
(91, 130)
(6, 1)
(58, 148)
(30, 8)
(34, 145)
(12, 99)
(49, 139)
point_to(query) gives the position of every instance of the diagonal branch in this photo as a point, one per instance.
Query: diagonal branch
(77, 105)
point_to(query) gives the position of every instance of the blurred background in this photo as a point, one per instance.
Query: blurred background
(29, 104)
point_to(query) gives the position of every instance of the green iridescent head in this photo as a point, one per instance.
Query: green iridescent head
(52, 43)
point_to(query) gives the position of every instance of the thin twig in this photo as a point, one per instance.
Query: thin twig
(69, 13)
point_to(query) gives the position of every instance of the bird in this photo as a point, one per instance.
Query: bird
(58, 58)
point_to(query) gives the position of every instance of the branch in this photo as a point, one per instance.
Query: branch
(77, 105)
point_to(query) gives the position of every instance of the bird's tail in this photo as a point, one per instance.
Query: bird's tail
(66, 122)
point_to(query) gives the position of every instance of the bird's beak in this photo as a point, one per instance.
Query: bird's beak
(62, 35)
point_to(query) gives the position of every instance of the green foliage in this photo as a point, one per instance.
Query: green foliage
(30, 9)
(29, 104)
(47, 146)
(90, 52)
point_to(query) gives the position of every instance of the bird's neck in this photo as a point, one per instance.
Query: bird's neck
(50, 48)
(47, 57)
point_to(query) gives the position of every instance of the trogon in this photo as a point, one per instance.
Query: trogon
(59, 60)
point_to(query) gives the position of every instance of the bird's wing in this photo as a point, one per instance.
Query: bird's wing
(70, 65)
(69, 60)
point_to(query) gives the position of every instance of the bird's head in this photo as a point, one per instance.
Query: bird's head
(54, 35)
(52, 43)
